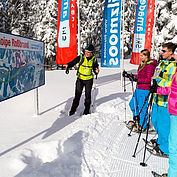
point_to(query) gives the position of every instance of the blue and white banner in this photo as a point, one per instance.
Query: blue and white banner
(110, 51)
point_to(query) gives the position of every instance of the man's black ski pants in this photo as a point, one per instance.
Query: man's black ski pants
(80, 84)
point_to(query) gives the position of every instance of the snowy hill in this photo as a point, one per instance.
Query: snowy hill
(53, 144)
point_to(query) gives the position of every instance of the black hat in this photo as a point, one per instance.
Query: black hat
(90, 48)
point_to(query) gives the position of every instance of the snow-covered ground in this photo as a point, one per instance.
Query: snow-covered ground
(53, 144)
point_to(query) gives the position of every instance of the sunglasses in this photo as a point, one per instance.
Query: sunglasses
(164, 51)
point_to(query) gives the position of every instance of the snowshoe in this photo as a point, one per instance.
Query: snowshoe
(130, 124)
(151, 131)
(157, 152)
(152, 143)
(157, 175)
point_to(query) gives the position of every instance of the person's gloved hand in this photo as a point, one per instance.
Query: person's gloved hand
(135, 79)
(97, 71)
(153, 88)
(132, 78)
(125, 74)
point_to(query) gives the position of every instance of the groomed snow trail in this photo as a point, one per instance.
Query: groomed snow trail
(56, 145)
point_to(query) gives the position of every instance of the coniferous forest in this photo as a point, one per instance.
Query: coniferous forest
(37, 19)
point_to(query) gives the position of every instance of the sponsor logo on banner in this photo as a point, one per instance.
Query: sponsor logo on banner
(66, 31)
(110, 52)
(142, 36)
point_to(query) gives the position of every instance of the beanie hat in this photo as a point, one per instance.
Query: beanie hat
(90, 48)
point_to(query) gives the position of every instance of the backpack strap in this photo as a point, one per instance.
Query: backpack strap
(81, 60)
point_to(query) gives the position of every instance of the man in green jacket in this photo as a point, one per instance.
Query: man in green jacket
(160, 117)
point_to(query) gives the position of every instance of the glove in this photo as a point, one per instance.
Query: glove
(153, 88)
(125, 74)
(133, 78)
(67, 70)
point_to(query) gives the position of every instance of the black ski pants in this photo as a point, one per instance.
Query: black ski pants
(80, 84)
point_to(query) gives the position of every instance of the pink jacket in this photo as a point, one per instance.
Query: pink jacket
(144, 76)
(172, 92)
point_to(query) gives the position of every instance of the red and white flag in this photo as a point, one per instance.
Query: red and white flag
(66, 31)
(142, 37)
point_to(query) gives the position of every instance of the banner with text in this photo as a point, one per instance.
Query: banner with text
(110, 48)
(66, 31)
(21, 65)
(142, 37)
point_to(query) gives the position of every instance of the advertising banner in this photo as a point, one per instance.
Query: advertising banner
(142, 37)
(110, 49)
(66, 31)
(21, 65)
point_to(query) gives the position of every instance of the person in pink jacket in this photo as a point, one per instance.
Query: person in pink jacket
(144, 74)
(172, 109)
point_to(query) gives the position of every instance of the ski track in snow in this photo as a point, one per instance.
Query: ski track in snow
(115, 160)
(95, 145)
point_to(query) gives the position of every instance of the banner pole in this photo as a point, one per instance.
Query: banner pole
(122, 58)
(36, 100)
(122, 63)
(78, 37)
(154, 31)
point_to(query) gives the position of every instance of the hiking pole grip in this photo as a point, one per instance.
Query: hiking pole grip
(67, 70)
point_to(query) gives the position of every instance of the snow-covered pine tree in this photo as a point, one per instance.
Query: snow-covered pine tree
(19, 17)
(91, 17)
(38, 19)
(4, 16)
(46, 28)
(129, 19)
(166, 24)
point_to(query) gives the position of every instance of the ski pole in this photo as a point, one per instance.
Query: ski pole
(141, 129)
(94, 92)
(125, 99)
(131, 79)
(150, 111)
(133, 96)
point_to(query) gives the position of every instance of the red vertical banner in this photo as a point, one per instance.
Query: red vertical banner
(66, 31)
(143, 30)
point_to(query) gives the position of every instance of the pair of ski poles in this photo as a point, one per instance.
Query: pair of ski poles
(137, 116)
(148, 113)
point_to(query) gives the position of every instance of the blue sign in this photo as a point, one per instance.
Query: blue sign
(110, 49)
(21, 65)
